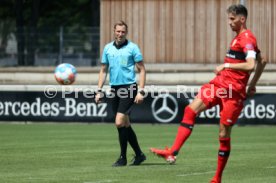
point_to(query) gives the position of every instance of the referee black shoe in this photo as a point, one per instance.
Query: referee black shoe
(137, 160)
(120, 162)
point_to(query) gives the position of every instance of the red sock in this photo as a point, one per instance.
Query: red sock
(184, 130)
(223, 154)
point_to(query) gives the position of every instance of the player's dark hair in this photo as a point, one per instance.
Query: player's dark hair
(120, 23)
(237, 9)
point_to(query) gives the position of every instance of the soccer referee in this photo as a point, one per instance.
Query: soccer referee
(120, 58)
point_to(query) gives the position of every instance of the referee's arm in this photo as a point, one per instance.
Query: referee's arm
(142, 78)
(102, 78)
(142, 74)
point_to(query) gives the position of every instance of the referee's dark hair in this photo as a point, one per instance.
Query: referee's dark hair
(120, 23)
(238, 9)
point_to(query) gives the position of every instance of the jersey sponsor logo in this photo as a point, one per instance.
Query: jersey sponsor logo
(235, 55)
(230, 55)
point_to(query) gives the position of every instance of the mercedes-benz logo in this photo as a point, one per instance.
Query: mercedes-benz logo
(168, 110)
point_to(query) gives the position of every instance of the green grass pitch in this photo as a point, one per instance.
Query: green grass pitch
(84, 153)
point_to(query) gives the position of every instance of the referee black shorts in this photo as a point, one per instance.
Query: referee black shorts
(123, 97)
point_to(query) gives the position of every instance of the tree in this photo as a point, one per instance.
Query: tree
(31, 15)
(20, 31)
(32, 33)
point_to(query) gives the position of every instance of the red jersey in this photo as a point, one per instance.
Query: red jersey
(239, 47)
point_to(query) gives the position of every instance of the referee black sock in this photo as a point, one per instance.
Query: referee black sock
(122, 131)
(132, 139)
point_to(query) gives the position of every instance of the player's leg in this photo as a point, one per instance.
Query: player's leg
(230, 111)
(200, 103)
(205, 99)
(187, 124)
(224, 151)
(184, 131)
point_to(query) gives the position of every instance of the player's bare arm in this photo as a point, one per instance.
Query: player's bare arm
(247, 66)
(261, 63)
(142, 78)
(102, 78)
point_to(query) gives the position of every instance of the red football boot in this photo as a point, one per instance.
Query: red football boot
(164, 153)
(215, 180)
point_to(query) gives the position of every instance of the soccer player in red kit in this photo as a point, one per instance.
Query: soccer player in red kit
(227, 89)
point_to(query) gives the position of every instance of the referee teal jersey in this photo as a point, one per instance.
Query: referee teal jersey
(121, 62)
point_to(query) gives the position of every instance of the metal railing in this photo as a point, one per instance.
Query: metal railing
(51, 46)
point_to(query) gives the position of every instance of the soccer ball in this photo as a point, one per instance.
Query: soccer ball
(65, 74)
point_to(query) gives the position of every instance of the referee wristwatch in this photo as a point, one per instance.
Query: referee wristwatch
(99, 90)
(142, 92)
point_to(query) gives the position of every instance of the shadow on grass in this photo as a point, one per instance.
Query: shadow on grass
(156, 164)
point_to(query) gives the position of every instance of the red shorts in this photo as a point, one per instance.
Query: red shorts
(230, 102)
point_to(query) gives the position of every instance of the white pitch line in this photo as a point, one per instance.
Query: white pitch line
(39, 178)
(48, 178)
(196, 173)
(101, 181)
(271, 167)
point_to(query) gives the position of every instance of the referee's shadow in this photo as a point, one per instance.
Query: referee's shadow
(156, 164)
